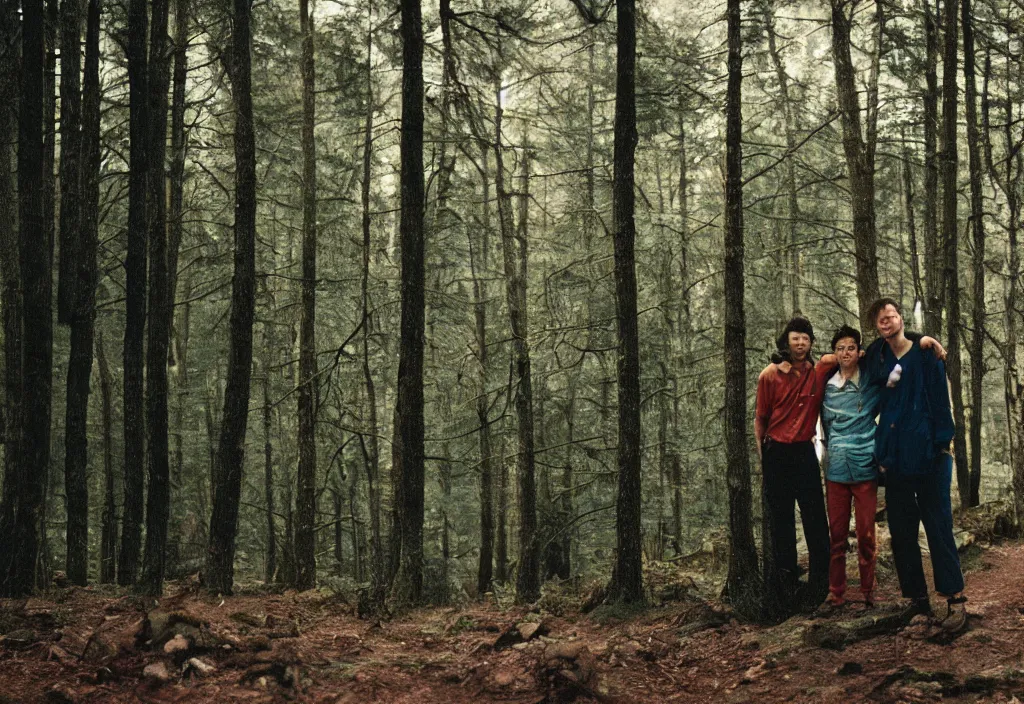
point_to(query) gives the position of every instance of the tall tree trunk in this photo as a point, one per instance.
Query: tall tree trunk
(478, 269)
(368, 441)
(83, 244)
(514, 257)
(935, 296)
(135, 296)
(20, 549)
(270, 564)
(627, 577)
(10, 272)
(230, 450)
(976, 350)
(908, 206)
(790, 127)
(860, 153)
(305, 515)
(353, 512)
(70, 208)
(950, 241)
(51, 45)
(501, 539)
(407, 454)
(742, 581)
(108, 520)
(1006, 174)
(160, 310)
(175, 227)
(9, 266)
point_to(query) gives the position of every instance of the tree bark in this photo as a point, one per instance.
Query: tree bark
(231, 446)
(935, 288)
(743, 580)
(627, 577)
(270, 564)
(514, 258)
(305, 514)
(82, 245)
(976, 351)
(478, 270)
(135, 296)
(950, 241)
(859, 149)
(108, 520)
(368, 441)
(10, 271)
(21, 544)
(407, 453)
(789, 125)
(160, 310)
(70, 214)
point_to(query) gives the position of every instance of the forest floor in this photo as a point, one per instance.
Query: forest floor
(86, 645)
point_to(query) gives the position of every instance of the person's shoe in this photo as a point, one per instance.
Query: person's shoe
(831, 605)
(919, 606)
(956, 615)
(869, 600)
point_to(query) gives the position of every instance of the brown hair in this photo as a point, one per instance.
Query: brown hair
(879, 305)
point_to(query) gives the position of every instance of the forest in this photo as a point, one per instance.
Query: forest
(336, 327)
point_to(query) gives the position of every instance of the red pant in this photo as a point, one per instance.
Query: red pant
(865, 496)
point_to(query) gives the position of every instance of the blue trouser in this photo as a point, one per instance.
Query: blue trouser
(924, 499)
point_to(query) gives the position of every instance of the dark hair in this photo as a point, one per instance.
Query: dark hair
(797, 324)
(881, 303)
(845, 331)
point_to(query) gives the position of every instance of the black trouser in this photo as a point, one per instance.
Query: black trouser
(791, 475)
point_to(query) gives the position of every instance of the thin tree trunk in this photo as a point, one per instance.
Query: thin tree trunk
(21, 544)
(514, 256)
(627, 577)
(934, 299)
(175, 229)
(407, 454)
(369, 441)
(501, 541)
(908, 206)
(160, 310)
(83, 291)
(10, 272)
(742, 581)
(789, 125)
(478, 270)
(305, 515)
(950, 241)
(270, 565)
(976, 351)
(230, 450)
(70, 218)
(135, 299)
(108, 521)
(860, 154)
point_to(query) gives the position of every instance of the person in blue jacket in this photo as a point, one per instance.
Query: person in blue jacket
(912, 442)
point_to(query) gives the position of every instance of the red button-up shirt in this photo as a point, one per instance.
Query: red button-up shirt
(790, 402)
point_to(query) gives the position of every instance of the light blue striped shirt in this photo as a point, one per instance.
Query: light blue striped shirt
(848, 416)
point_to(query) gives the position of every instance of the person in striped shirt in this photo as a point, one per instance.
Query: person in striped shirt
(851, 475)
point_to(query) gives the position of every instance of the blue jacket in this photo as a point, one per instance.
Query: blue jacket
(915, 422)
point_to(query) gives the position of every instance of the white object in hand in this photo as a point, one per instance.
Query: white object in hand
(894, 376)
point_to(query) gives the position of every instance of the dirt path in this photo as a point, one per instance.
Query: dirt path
(83, 646)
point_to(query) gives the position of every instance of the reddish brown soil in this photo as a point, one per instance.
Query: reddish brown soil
(446, 655)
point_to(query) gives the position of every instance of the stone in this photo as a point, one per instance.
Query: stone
(156, 672)
(201, 667)
(177, 644)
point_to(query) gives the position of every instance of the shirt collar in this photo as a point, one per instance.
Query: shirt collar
(839, 381)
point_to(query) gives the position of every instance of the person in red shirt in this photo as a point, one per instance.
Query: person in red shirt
(788, 401)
